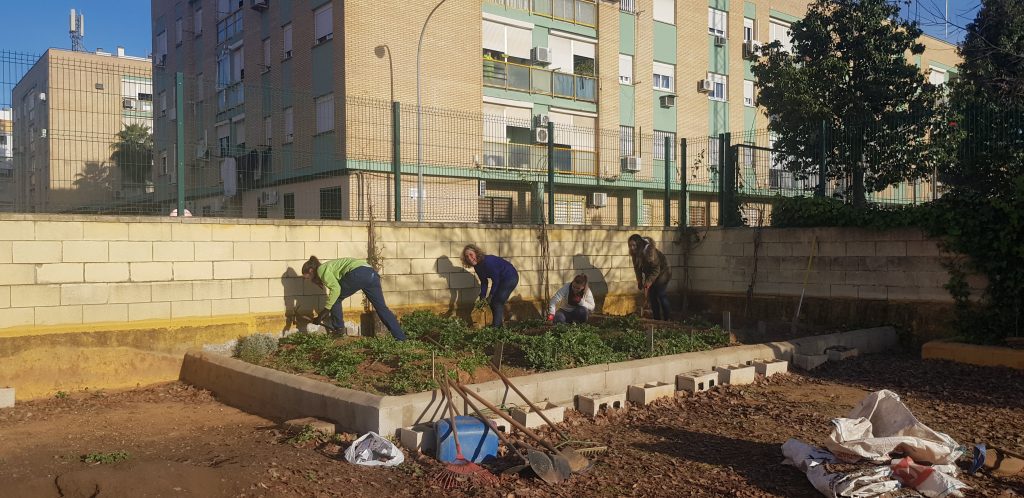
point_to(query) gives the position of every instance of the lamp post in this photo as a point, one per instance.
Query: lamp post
(380, 51)
(419, 128)
(396, 160)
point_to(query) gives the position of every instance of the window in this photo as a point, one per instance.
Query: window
(626, 140)
(779, 31)
(286, 42)
(719, 87)
(323, 24)
(712, 152)
(717, 22)
(178, 31)
(569, 212)
(325, 113)
(223, 71)
(163, 164)
(664, 77)
(163, 102)
(240, 134)
(262, 211)
(267, 129)
(659, 144)
(749, 30)
(266, 54)
(571, 56)
(507, 40)
(197, 22)
(223, 8)
(936, 76)
(665, 11)
(330, 203)
(748, 93)
(625, 69)
(199, 87)
(161, 47)
(289, 206)
(289, 124)
(237, 64)
(495, 210)
(223, 138)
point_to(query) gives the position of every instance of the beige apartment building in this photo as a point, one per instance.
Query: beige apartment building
(68, 110)
(287, 114)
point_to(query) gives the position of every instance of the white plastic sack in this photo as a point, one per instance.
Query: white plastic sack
(881, 424)
(372, 450)
(865, 483)
(927, 480)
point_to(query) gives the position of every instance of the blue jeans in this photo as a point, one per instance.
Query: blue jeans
(578, 314)
(367, 280)
(499, 296)
(658, 296)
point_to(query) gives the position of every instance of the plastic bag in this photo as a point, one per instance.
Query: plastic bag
(373, 451)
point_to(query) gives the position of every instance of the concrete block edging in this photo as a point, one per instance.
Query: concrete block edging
(282, 396)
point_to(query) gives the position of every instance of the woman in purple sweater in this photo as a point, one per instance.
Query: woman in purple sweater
(503, 276)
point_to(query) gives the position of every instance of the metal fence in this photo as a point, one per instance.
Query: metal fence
(114, 136)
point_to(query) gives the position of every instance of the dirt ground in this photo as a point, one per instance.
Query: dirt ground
(181, 442)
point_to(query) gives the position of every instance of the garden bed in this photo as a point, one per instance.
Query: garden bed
(380, 365)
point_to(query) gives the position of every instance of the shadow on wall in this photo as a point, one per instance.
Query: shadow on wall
(460, 299)
(299, 303)
(595, 279)
(523, 309)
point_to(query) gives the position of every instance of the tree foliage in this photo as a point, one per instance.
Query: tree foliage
(132, 153)
(849, 95)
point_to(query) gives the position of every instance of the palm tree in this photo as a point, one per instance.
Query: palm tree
(132, 153)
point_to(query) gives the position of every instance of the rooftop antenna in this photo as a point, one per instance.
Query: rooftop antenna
(76, 28)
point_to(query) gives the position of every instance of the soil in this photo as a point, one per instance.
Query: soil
(182, 442)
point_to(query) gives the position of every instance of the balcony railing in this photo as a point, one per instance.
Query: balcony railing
(231, 96)
(512, 76)
(229, 26)
(534, 157)
(582, 12)
(627, 6)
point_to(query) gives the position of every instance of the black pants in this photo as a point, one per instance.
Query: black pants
(658, 296)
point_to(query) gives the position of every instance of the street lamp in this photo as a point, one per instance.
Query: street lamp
(380, 51)
(419, 128)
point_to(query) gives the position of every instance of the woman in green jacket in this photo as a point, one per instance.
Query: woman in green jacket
(341, 278)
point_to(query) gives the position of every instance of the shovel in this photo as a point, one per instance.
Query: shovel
(577, 462)
(539, 462)
(561, 459)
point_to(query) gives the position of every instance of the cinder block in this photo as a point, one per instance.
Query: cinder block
(214, 251)
(189, 270)
(106, 272)
(229, 232)
(60, 273)
(59, 230)
(284, 251)
(531, 419)
(151, 272)
(697, 381)
(85, 251)
(419, 437)
(645, 394)
(768, 368)
(594, 403)
(809, 361)
(173, 251)
(298, 425)
(130, 252)
(96, 230)
(252, 251)
(6, 397)
(36, 252)
(839, 353)
(231, 269)
(736, 375)
(191, 231)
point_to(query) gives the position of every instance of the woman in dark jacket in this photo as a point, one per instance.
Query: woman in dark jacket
(503, 276)
(652, 273)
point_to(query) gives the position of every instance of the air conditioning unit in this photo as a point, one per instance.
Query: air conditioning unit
(42, 96)
(128, 103)
(161, 61)
(286, 54)
(268, 197)
(751, 50)
(598, 199)
(260, 4)
(541, 136)
(719, 41)
(667, 100)
(42, 133)
(541, 120)
(541, 55)
(202, 151)
(630, 163)
(705, 86)
(481, 188)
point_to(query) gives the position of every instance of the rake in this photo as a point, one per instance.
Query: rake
(460, 470)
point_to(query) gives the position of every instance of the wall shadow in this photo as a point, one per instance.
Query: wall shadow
(296, 316)
(460, 299)
(595, 279)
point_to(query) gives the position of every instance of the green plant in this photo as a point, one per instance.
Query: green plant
(255, 348)
(100, 458)
(61, 395)
(307, 434)
(567, 346)
(339, 363)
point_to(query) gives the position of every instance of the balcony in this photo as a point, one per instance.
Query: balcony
(537, 80)
(230, 96)
(534, 157)
(230, 26)
(581, 12)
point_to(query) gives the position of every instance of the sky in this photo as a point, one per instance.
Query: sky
(32, 26)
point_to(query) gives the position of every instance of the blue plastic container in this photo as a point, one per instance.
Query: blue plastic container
(479, 442)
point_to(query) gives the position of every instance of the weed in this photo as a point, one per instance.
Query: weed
(339, 363)
(307, 434)
(255, 348)
(61, 395)
(99, 458)
(312, 476)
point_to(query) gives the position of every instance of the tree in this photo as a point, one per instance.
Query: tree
(132, 153)
(850, 93)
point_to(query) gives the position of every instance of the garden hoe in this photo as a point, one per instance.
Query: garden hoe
(577, 462)
(461, 469)
(533, 459)
(561, 463)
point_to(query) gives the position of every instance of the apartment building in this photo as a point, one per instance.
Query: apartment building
(68, 110)
(286, 104)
